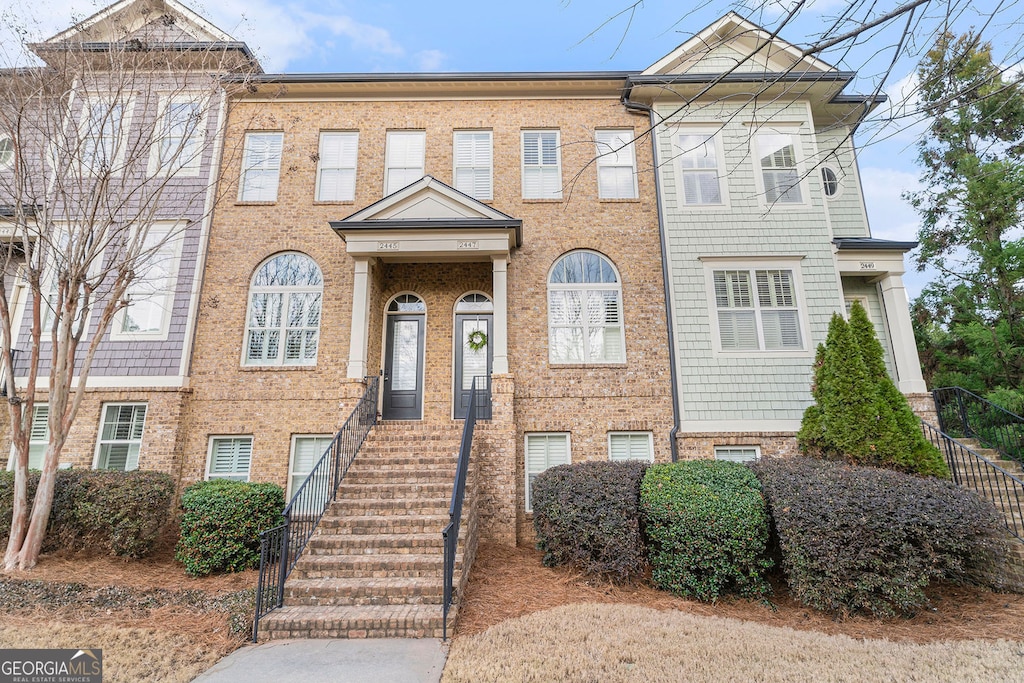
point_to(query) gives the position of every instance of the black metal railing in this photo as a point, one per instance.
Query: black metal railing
(281, 546)
(967, 415)
(974, 471)
(479, 404)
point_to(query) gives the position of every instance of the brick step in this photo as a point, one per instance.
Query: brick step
(389, 506)
(378, 524)
(372, 544)
(384, 591)
(402, 468)
(379, 566)
(406, 457)
(409, 476)
(1011, 466)
(385, 491)
(370, 621)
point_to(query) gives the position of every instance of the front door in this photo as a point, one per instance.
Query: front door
(403, 368)
(472, 360)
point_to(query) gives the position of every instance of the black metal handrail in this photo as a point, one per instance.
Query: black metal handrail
(974, 471)
(281, 546)
(965, 414)
(479, 402)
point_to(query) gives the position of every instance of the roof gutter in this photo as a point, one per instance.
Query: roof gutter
(637, 108)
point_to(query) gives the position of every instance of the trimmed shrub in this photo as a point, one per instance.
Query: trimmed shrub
(587, 515)
(865, 539)
(122, 513)
(221, 524)
(706, 526)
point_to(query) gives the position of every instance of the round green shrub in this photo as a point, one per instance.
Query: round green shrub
(221, 524)
(587, 515)
(706, 527)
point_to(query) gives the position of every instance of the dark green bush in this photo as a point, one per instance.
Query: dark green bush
(588, 515)
(706, 527)
(122, 513)
(221, 525)
(865, 539)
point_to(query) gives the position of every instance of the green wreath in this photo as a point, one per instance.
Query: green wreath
(476, 340)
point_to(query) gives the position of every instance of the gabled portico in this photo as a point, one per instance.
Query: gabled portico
(428, 222)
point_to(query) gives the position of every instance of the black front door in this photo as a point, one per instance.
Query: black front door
(403, 368)
(471, 362)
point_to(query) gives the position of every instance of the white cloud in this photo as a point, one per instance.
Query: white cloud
(429, 60)
(892, 217)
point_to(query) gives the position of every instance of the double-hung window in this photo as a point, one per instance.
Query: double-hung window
(284, 312)
(306, 453)
(261, 167)
(697, 162)
(780, 173)
(757, 310)
(336, 169)
(178, 149)
(405, 159)
(102, 134)
(151, 294)
(473, 163)
(585, 310)
(121, 436)
(542, 165)
(616, 164)
(542, 452)
(230, 457)
(631, 446)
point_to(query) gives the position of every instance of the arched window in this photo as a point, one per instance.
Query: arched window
(585, 310)
(283, 325)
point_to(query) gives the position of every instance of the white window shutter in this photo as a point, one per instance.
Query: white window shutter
(337, 180)
(630, 446)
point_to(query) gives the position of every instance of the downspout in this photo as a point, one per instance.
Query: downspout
(645, 109)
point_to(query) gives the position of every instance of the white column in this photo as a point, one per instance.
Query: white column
(499, 343)
(901, 333)
(358, 341)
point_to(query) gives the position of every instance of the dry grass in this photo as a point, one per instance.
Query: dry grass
(627, 643)
(136, 652)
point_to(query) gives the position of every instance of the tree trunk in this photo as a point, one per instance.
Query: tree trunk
(19, 517)
(33, 543)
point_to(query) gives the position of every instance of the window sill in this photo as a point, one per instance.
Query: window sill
(619, 200)
(276, 368)
(586, 366)
(242, 202)
(542, 200)
(332, 202)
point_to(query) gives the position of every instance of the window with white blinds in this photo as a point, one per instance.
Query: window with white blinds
(542, 165)
(631, 446)
(261, 167)
(585, 310)
(121, 436)
(616, 164)
(230, 457)
(544, 451)
(778, 160)
(39, 437)
(178, 149)
(405, 159)
(474, 168)
(336, 167)
(698, 166)
(737, 453)
(306, 453)
(283, 325)
(757, 310)
(151, 294)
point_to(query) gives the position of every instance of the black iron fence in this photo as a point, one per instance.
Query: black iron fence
(281, 546)
(479, 406)
(967, 415)
(974, 471)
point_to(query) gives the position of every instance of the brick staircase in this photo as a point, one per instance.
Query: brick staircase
(374, 567)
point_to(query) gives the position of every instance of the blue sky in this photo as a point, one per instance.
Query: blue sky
(562, 35)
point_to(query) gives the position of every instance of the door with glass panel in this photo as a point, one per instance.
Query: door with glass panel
(403, 360)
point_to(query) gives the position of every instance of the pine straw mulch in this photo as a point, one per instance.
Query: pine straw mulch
(511, 582)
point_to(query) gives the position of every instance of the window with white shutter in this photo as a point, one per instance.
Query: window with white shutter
(261, 167)
(474, 168)
(306, 453)
(38, 438)
(544, 451)
(103, 132)
(779, 171)
(757, 310)
(738, 453)
(616, 164)
(405, 159)
(585, 310)
(121, 436)
(283, 324)
(336, 167)
(631, 446)
(230, 457)
(697, 163)
(542, 165)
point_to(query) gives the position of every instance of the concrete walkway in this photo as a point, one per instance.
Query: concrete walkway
(372, 660)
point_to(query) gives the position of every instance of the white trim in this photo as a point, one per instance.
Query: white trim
(172, 5)
(116, 382)
(585, 287)
(99, 435)
(291, 459)
(526, 464)
(191, 166)
(715, 132)
(794, 131)
(540, 157)
(173, 241)
(824, 184)
(209, 453)
(848, 300)
(751, 265)
(650, 442)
